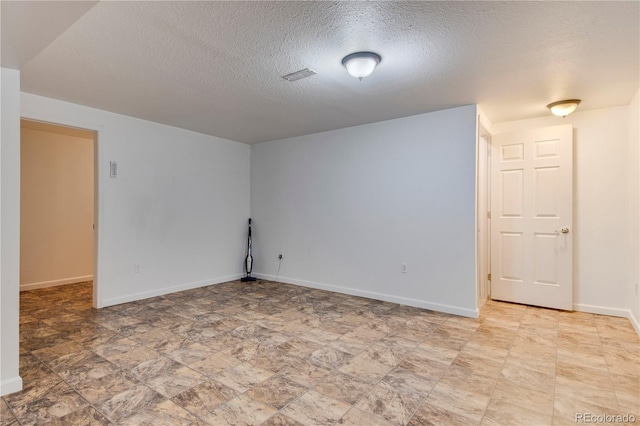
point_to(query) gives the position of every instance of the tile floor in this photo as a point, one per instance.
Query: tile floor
(276, 354)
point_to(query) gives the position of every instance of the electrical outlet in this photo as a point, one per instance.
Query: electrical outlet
(136, 268)
(280, 256)
(403, 268)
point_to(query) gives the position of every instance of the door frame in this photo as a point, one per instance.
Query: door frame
(483, 213)
(97, 130)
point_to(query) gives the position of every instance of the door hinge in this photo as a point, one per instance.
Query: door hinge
(488, 215)
(488, 277)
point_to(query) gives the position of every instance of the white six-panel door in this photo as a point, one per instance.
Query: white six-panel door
(531, 211)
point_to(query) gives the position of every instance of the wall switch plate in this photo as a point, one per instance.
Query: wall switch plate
(113, 169)
(136, 268)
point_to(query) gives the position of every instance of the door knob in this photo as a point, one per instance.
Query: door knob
(563, 231)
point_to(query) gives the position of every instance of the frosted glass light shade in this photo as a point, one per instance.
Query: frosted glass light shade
(564, 108)
(361, 64)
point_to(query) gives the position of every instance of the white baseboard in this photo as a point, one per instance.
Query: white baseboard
(11, 385)
(53, 283)
(166, 290)
(456, 310)
(614, 312)
(635, 322)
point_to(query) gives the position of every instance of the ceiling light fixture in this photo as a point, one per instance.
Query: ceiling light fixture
(564, 108)
(361, 64)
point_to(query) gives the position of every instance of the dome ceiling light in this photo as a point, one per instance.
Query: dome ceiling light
(361, 64)
(564, 108)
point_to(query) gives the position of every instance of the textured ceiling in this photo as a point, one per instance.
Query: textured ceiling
(216, 67)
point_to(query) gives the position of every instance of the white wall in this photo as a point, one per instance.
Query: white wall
(10, 380)
(634, 209)
(56, 206)
(600, 206)
(178, 207)
(348, 207)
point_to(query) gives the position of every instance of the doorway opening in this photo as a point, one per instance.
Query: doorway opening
(58, 206)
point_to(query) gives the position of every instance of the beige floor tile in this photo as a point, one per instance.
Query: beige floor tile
(107, 386)
(87, 416)
(273, 361)
(54, 352)
(526, 378)
(37, 389)
(368, 333)
(164, 413)
(319, 336)
(314, 408)
(126, 403)
(356, 417)
(186, 352)
(531, 361)
(204, 398)
(214, 364)
(426, 367)
(365, 369)
(176, 381)
(403, 380)
(627, 390)
(477, 349)
(243, 377)
(343, 387)
(349, 345)
(500, 413)
(277, 391)
(387, 402)
(436, 353)
(329, 358)
(566, 408)
(602, 392)
(538, 400)
(304, 372)
(148, 370)
(463, 403)
(249, 348)
(464, 323)
(431, 415)
(534, 346)
(6, 415)
(34, 371)
(299, 347)
(111, 345)
(158, 338)
(579, 357)
(241, 411)
(49, 408)
(386, 354)
(469, 363)
(134, 357)
(473, 382)
(623, 362)
(281, 420)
